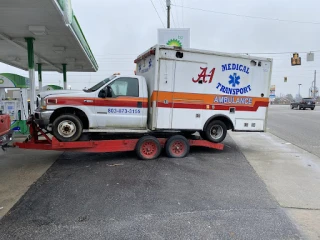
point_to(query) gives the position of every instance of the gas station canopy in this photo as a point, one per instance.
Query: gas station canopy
(58, 38)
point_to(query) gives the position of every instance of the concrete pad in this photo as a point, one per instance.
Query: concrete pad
(19, 169)
(292, 176)
(309, 221)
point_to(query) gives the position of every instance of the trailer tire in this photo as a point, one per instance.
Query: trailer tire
(67, 128)
(148, 148)
(177, 147)
(216, 131)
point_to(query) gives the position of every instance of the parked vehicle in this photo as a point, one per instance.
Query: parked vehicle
(5, 132)
(174, 89)
(304, 104)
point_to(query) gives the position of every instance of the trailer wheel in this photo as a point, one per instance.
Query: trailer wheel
(67, 128)
(177, 147)
(148, 148)
(216, 131)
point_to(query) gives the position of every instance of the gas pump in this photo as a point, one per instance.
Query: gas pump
(16, 105)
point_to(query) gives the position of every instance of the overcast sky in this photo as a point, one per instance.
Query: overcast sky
(117, 31)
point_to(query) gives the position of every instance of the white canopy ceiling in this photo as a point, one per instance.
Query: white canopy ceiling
(55, 42)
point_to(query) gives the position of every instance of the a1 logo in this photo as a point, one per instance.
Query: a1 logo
(203, 76)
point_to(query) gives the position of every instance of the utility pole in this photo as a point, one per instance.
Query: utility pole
(299, 90)
(168, 13)
(315, 82)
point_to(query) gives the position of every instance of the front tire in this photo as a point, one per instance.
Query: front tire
(312, 108)
(216, 131)
(67, 128)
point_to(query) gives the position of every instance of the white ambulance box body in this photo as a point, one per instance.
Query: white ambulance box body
(188, 88)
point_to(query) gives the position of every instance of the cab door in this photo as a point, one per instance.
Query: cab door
(123, 108)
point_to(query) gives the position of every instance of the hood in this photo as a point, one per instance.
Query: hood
(57, 92)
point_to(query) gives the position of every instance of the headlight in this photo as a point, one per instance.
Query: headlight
(43, 103)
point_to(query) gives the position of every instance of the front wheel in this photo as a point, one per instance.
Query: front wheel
(292, 107)
(67, 128)
(312, 108)
(216, 131)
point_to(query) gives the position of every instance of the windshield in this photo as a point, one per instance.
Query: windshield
(100, 84)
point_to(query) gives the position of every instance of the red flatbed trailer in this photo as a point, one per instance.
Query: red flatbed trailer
(147, 147)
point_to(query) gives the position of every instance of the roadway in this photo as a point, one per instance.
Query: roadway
(299, 127)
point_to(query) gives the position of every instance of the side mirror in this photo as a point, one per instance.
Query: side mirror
(102, 94)
(109, 91)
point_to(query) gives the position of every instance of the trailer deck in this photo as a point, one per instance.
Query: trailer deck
(147, 146)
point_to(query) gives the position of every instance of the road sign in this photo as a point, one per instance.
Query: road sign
(272, 94)
(310, 57)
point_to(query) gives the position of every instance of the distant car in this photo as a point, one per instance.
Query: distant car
(304, 103)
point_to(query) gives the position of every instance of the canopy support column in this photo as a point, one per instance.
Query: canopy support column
(40, 76)
(30, 41)
(64, 76)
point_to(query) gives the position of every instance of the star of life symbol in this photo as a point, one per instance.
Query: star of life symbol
(234, 80)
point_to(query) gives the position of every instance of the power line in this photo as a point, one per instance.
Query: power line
(178, 24)
(163, 6)
(277, 53)
(247, 16)
(173, 19)
(182, 4)
(157, 12)
(98, 55)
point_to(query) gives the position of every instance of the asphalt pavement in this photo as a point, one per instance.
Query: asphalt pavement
(210, 194)
(299, 127)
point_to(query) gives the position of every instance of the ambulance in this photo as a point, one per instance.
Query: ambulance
(172, 90)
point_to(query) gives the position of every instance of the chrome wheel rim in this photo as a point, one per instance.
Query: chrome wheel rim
(216, 131)
(67, 128)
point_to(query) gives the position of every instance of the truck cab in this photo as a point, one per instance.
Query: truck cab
(117, 102)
